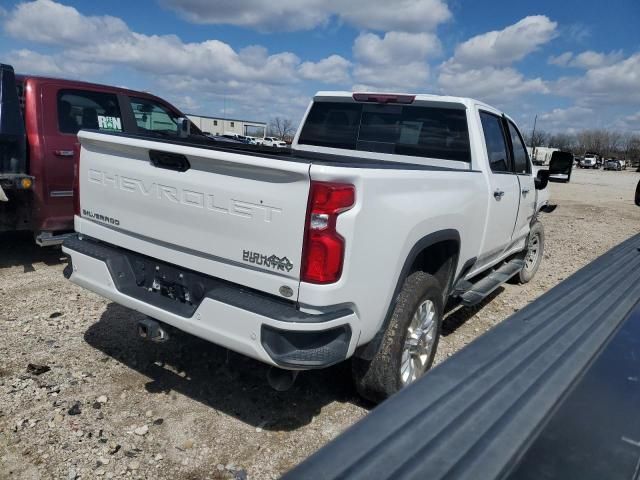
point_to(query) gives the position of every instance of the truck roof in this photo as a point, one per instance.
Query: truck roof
(420, 97)
(80, 84)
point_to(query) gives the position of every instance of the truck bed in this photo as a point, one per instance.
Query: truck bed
(285, 154)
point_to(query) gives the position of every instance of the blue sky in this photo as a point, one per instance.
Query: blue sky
(576, 64)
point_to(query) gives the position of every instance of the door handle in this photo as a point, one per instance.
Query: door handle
(63, 153)
(525, 191)
(498, 194)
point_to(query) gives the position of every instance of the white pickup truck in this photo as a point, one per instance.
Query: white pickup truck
(349, 245)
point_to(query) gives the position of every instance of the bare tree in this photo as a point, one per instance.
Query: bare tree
(630, 147)
(281, 127)
(563, 141)
(613, 141)
(592, 141)
(539, 138)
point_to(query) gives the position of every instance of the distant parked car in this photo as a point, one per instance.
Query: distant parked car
(612, 164)
(273, 142)
(237, 137)
(223, 138)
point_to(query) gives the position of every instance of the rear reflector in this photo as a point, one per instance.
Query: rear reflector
(323, 250)
(383, 98)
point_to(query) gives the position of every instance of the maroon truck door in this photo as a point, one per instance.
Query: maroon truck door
(65, 112)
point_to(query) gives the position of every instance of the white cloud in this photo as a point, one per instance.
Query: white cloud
(408, 77)
(265, 100)
(404, 15)
(50, 22)
(256, 82)
(586, 60)
(567, 119)
(167, 54)
(604, 85)
(397, 61)
(591, 59)
(108, 41)
(394, 47)
(28, 61)
(480, 66)
(633, 118)
(385, 15)
(503, 47)
(333, 69)
(561, 60)
(491, 84)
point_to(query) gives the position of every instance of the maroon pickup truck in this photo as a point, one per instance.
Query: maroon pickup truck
(39, 120)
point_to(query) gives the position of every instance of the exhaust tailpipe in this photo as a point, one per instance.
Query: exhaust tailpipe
(150, 329)
(281, 380)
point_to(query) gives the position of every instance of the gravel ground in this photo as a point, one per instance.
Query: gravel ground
(82, 397)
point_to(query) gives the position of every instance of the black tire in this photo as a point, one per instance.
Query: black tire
(529, 270)
(380, 378)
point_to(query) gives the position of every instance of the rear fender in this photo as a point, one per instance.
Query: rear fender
(368, 351)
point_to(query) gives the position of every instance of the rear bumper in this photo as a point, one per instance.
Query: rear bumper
(254, 324)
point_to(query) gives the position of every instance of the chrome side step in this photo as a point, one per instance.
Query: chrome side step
(476, 292)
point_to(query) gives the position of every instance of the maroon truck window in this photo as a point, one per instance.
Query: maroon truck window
(84, 109)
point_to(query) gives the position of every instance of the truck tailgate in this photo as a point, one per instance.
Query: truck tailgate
(237, 210)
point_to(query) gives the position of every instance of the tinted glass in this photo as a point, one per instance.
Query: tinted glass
(396, 129)
(78, 109)
(495, 141)
(152, 116)
(520, 157)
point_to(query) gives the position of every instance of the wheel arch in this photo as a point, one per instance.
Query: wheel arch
(438, 254)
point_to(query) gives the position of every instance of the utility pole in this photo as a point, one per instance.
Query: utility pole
(224, 113)
(533, 136)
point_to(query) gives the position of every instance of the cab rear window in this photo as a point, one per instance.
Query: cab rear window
(418, 131)
(83, 109)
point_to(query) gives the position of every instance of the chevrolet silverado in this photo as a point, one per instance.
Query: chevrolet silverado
(347, 246)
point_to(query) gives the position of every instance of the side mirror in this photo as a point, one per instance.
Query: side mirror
(542, 179)
(638, 194)
(184, 127)
(560, 166)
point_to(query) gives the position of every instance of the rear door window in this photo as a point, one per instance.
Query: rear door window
(418, 131)
(520, 156)
(495, 141)
(84, 109)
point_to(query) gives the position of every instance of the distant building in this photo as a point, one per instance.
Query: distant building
(221, 126)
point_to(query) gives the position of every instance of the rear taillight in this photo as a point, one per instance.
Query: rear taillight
(76, 185)
(323, 250)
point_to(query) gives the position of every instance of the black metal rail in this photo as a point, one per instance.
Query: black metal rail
(477, 415)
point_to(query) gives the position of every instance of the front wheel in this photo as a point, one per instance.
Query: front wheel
(410, 341)
(535, 251)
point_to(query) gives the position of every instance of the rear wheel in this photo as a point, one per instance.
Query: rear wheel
(409, 344)
(535, 251)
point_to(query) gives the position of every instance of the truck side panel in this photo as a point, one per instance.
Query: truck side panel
(394, 210)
